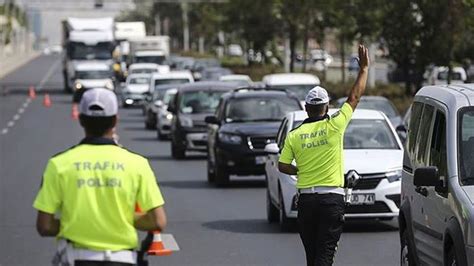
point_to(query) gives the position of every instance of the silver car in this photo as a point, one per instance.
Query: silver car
(437, 214)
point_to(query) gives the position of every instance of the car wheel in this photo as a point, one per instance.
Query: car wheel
(451, 257)
(160, 135)
(406, 253)
(285, 222)
(149, 122)
(221, 174)
(272, 211)
(177, 152)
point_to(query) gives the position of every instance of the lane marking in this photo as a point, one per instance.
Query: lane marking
(27, 102)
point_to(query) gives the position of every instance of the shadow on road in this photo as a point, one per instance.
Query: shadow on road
(134, 128)
(169, 158)
(251, 226)
(364, 226)
(130, 120)
(199, 184)
(151, 138)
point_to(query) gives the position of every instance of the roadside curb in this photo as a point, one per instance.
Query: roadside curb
(13, 63)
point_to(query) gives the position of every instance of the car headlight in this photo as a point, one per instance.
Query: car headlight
(186, 121)
(78, 86)
(230, 138)
(109, 85)
(394, 176)
(169, 116)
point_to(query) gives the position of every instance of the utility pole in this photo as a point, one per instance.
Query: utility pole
(184, 8)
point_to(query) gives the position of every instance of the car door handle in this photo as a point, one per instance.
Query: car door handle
(421, 190)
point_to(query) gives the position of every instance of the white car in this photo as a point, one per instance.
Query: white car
(89, 75)
(147, 68)
(297, 83)
(163, 116)
(371, 147)
(243, 80)
(438, 75)
(135, 90)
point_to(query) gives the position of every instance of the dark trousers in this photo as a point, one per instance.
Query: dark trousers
(320, 223)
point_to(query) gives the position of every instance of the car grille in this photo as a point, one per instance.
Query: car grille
(377, 207)
(259, 143)
(367, 183)
(200, 143)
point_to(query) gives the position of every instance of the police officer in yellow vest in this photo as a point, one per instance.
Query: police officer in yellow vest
(317, 148)
(94, 187)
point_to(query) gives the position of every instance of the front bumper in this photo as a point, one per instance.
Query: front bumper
(240, 161)
(196, 141)
(133, 99)
(164, 125)
(387, 201)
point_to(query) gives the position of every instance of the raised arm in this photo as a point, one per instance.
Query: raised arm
(359, 86)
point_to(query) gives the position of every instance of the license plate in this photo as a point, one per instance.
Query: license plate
(260, 159)
(363, 199)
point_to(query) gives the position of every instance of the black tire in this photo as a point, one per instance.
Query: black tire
(149, 122)
(177, 152)
(272, 211)
(286, 223)
(221, 174)
(406, 251)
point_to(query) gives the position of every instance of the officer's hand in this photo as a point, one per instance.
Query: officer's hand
(364, 60)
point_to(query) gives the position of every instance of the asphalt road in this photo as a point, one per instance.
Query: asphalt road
(213, 226)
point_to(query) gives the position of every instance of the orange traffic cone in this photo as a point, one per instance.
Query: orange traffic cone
(32, 92)
(74, 112)
(157, 248)
(47, 101)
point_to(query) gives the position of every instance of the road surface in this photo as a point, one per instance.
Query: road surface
(213, 226)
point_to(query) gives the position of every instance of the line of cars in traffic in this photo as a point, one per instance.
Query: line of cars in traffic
(241, 127)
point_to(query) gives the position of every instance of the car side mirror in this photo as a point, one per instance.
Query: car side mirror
(158, 103)
(401, 129)
(211, 120)
(426, 177)
(272, 148)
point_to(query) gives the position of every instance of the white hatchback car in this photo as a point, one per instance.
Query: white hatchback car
(371, 147)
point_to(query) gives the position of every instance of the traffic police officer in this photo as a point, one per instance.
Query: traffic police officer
(94, 186)
(317, 148)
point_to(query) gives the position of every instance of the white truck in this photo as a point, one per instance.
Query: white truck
(124, 32)
(150, 49)
(86, 39)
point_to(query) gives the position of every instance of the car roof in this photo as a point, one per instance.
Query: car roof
(290, 79)
(243, 93)
(173, 75)
(358, 114)
(206, 85)
(235, 77)
(454, 95)
(143, 65)
(138, 75)
(91, 66)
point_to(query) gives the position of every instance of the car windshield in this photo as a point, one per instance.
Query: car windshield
(141, 80)
(369, 134)
(159, 82)
(158, 59)
(144, 71)
(373, 104)
(300, 91)
(454, 76)
(199, 102)
(98, 74)
(259, 109)
(81, 51)
(466, 144)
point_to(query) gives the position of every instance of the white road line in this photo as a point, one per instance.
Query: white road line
(48, 75)
(22, 109)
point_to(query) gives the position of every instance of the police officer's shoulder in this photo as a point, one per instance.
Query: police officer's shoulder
(133, 154)
(64, 151)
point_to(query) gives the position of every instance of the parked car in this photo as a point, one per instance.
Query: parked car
(214, 73)
(192, 103)
(135, 90)
(371, 148)
(437, 214)
(156, 105)
(245, 121)
(438, 75)
(173, 77)
(378, 103)
(89, 75)
(243, 80)
(297, 83)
